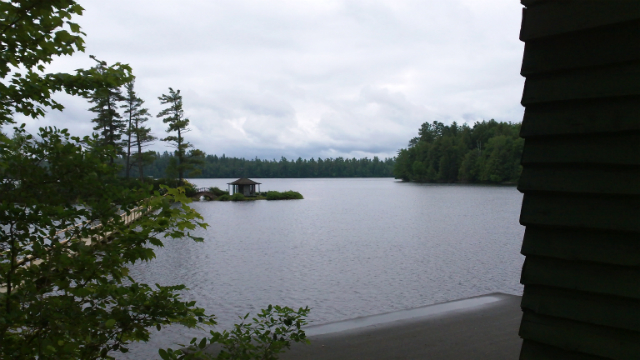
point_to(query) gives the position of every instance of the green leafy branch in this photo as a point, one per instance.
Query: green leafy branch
(261, 338)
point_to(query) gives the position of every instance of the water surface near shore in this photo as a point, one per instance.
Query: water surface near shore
(351, 248)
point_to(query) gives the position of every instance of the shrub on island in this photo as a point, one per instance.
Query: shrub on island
(217, 191)
(237, 197)
(134, 183)
(286, 195)
(269, 195)
(189, 188)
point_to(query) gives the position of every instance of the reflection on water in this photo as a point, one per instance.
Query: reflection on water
(351, 248)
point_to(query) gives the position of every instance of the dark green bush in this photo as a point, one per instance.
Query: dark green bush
(237, 197)
(189, 190)
(133, 183)
(286, 195)
(224, 197)
(217, 191)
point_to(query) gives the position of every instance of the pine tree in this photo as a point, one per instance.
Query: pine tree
(174, 116)
(108, 120)
(142, 139)
(137, 134)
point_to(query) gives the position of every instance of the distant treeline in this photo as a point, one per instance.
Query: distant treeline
(489, 152)
(230, 167)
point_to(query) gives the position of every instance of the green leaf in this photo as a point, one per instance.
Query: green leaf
(163, 354)
(74, 27)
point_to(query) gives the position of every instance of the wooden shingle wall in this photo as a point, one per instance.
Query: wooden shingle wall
(581, 179)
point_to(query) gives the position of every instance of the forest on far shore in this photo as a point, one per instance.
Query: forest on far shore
(488, 152)
(213, 166)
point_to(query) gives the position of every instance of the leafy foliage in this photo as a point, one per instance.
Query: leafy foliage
(285, 195)
(65, 250)
(217, 191)
(32, 34)
(237, 197)
(160, 185)
(264, 337)
(488, 152)
(66, 239)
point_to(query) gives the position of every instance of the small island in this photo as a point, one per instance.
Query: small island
(267, 195)
(243, 189)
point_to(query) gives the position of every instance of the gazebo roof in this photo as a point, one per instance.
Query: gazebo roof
(244, 181)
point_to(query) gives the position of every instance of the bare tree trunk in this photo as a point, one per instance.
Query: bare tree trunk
(111, 133)
(128, 147)
(180, 172)
(140, 161)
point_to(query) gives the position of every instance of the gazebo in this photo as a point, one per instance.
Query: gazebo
(244, 186)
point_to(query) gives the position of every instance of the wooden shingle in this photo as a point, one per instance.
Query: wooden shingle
(581, 180)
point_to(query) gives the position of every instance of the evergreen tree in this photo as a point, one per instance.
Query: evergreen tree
(108, 120)
(65, 287)
(225, 167)
(488, 152)
(178, 124)
(138, 135)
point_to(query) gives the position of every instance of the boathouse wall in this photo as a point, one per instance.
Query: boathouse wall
(581, 179)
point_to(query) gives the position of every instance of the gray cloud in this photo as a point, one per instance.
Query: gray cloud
(308, 78)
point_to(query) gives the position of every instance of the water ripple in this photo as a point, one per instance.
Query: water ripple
(351, 248)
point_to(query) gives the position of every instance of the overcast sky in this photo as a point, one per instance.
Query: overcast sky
(307, 78)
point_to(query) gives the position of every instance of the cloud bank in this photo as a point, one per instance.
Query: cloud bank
(307, 78)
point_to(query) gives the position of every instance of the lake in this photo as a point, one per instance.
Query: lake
(352, 247)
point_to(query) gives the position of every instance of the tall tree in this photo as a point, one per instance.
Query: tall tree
(487, 152)
(178, 124)
(142, 139)
(62, 298)
(65, 289)
(108, 120)
(64, 292)
(138, 135)
(32, 34)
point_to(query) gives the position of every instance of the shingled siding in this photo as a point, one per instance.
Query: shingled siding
(581, 179)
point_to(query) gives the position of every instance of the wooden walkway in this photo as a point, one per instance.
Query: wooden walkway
(127, 218)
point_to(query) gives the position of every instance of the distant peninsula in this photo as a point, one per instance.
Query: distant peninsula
(488, 152)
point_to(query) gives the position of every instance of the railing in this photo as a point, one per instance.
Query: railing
(133, 215)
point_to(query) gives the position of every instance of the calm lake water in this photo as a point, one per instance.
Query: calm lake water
(352, 247)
